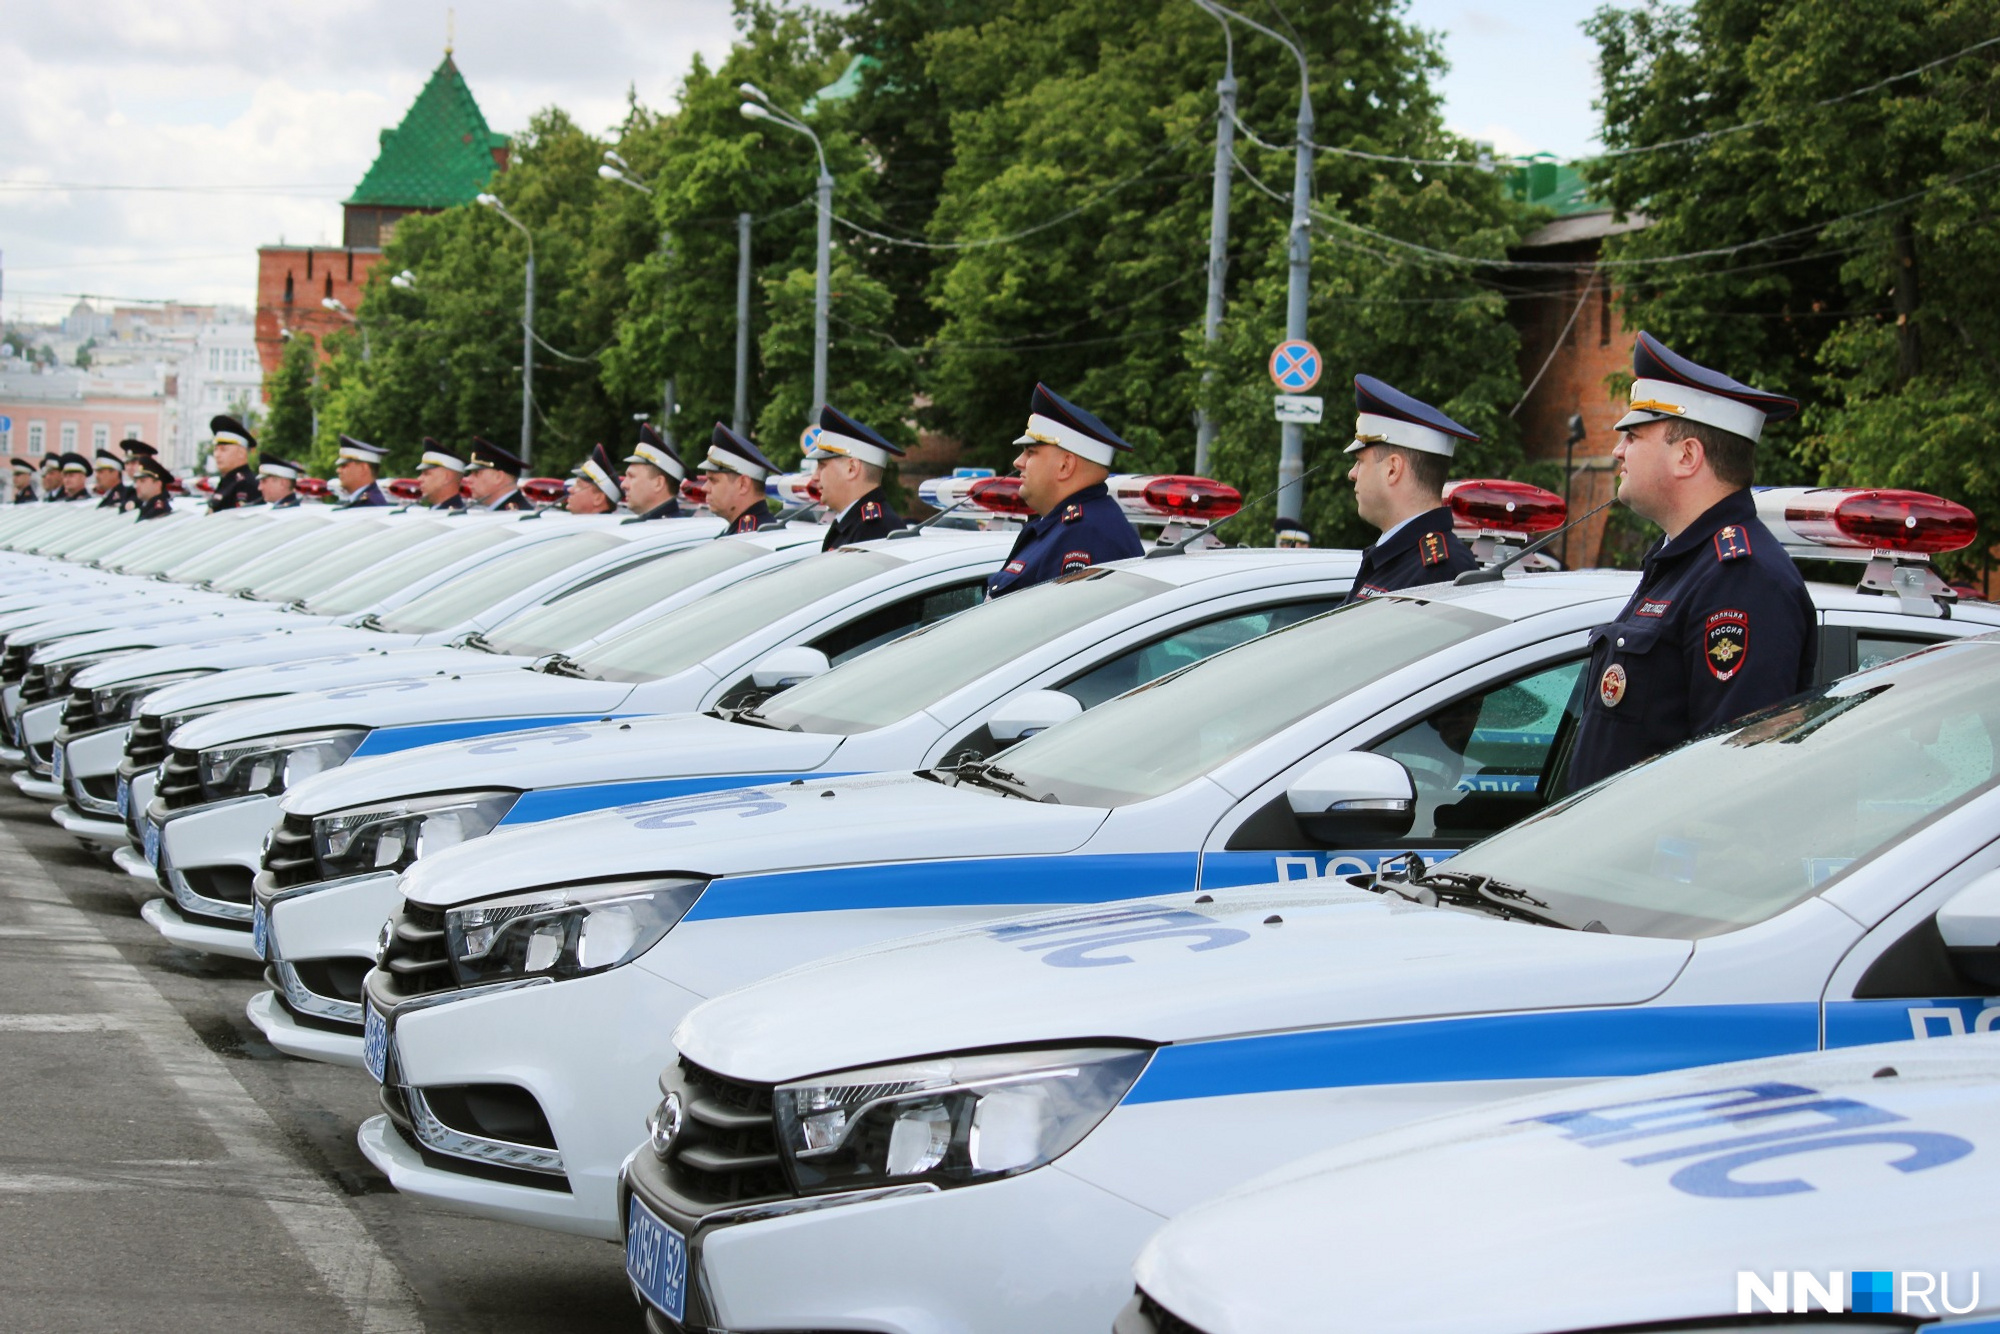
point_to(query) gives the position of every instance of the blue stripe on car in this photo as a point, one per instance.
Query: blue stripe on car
(555, 802)
(977, 880)
(389, 740)
(1562, 1044)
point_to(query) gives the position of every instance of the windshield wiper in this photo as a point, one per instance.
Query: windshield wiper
(475, 641)
(988, 774)
(369, 622)
(748, 714)
(561, 664)
(1482, 892)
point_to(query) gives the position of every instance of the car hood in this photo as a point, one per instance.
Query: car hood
(871, 818)
(361, 667)
(1262, 959)
(248, 650)
(171, 630)
(1332, 1232)
(437, 699)
(572, 755)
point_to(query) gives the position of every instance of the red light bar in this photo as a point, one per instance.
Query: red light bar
(1910, 521)
(694, 491)
(545, 490)
(204, 484)
(792, 489)
(312, 488)
(1001, 495)
(1176, 496)
(404, 488)
(1498, 505)
(174, 487)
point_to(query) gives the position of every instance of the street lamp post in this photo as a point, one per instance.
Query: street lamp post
(527, 330)
(338, 307)
(1218, 227)
(762, 109)
(1292, 447)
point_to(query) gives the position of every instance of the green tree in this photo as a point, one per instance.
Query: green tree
(1835, 162)
(288, 424)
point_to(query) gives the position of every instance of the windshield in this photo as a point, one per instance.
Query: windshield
(113, 538)
(1162, 735)
(323, 560)
(920, 669)
(226, 551)
(161, 542)
(1736, 828)
(86, 524)
(379, 580)
(470, 592)
(584, 613)
(685, 636)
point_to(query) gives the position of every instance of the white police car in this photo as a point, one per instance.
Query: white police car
(960, 689)
(538, 563)
(985, 1124)
(216, 795)
(1189, 781)
(1841, 1190)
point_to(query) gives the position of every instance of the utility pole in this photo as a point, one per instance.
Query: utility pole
(1218, 232)
(667, 418)
(741, 420)
(763, 109)
(527, 330)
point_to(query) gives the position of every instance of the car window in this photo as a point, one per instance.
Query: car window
(472, 591)
(374, 582)
(1184, 647)
(227, 551)
(1872, 648)
(1479, 762)
(899, 618)
(1741, 825)
(582, 614)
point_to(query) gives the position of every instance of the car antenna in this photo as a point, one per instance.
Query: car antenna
(911, 530)
(783, 517)
(1494, 573)
(1184, 543)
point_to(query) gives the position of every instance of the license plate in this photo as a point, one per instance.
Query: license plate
(151, 841)
(656, 1260)
(375, 1043)
(124, 797)
(56, 764)
(260, 930)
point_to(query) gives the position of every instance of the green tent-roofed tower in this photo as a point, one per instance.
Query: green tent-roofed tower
(441, 155)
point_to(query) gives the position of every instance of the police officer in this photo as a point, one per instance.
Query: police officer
(136, 452)
(24, 481)
(75, 478)
(734, 472)
(235, 483)
(1402, 452)
(596, 489)
(653, 476)
(52, 478)
(151, 487)
(494, 477)
(356, 467)
(111, 490)
(849, 458)
(278, 483)
(441, 478)
(1721, 623)
(1065, 456)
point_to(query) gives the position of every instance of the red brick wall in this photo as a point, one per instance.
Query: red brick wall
(315, 274)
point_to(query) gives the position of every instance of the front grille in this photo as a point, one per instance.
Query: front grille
(290, 858)
(180, 781)
(727, 1151)
(147, 745)
(14, 662)
(79, 711)
(416, 962)
(1162, 1320)
(35, 685)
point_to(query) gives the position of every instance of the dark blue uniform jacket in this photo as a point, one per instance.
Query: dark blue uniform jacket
(236, 487)
(868, 517)
(1721, 626)
(370, 494)
(670, 508)
(1422, 551)
(750, 520)
(1086, 529)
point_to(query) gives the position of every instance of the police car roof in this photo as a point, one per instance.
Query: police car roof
(1191, 567)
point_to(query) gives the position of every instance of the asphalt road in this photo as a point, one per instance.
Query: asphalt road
(163, 1169)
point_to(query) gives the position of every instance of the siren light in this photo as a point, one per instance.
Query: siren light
(1905, 522)
(694, 491)
(792, 489)
(1175, 496)
(404, 488)
(545, 490)
(312, 488)
(1499, 505)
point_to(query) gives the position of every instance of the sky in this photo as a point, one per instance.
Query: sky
(225, 124)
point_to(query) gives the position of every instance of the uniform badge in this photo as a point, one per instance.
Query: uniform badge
(1654, 607)
(1073, 561)
(1072, 512)
(1726, 642)
(1014, 567)
(1731, 543)
(1611, 687)
(1431, 549)
(871, 510)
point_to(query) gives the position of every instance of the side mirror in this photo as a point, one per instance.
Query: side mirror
(1970, 925)
(1354, 797)
(785, 667)
(1036, 711)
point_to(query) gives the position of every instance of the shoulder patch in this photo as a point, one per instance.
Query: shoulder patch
(1073, 561)
(1731, 543)
(1431, 549)
(1726, 642)
(1072, 512)
(871, 510)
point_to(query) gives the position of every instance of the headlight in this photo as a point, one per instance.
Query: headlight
(951, 1119)
(390, 836)
(567, 932)
(270, 764)
(59, 674)
(118, 703)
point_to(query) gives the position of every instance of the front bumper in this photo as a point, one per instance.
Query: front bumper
(319, 942)
(283, 1030)
(208, 860)
(165, 918)
(587, 1051)
(1039, 1253)
(96, 832)
(37, 728)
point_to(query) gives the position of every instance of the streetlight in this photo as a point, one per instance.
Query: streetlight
(1292, 449)
(762, 109)
(527, 329)
(1218, 226)
(614, 168)
(403, 281)
(334, 304)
